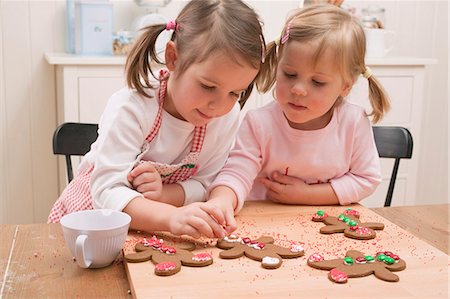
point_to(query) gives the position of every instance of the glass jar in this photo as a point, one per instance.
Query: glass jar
(377, 13)
(369, 22)
(122, 42)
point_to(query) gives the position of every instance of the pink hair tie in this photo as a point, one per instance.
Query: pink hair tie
(172, 25)
(285, 36)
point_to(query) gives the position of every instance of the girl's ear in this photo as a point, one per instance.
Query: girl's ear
(171, 55)
(346, 88)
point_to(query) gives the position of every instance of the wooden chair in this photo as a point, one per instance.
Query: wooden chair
(73, 139)
(395, 143)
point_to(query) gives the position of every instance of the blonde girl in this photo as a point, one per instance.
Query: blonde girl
(162, 142)
(310, 146)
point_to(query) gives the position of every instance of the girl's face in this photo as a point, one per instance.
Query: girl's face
(208, 89)
(306, 90)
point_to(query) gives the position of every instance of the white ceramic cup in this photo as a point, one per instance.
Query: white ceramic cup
(95, 237)
(379, 42)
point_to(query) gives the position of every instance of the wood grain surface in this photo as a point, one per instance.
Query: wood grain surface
(426, 274)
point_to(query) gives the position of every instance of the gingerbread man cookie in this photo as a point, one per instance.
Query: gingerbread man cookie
(261, 249)
(349, 224)
(168, 259)
(356, 264)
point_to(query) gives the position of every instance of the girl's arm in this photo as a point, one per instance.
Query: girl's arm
(291, 190)
(194, 220)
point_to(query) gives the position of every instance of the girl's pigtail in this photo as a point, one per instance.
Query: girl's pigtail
(379, 99)
(245, 95)
(267, 74)
(140, 58)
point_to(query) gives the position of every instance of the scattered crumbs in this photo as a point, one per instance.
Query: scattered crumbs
(129, 292)
(35, 254)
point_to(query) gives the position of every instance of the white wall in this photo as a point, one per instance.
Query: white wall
(29, 28)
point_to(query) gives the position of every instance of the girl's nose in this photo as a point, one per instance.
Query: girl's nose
(299, 89)
(212, 104)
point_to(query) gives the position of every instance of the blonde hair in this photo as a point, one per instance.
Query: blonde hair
(203, 27)
(332, 28)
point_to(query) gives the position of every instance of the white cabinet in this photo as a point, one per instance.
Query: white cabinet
(84, 84)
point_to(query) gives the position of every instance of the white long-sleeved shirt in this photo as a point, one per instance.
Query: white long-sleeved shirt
(123, 127)
(343, 153)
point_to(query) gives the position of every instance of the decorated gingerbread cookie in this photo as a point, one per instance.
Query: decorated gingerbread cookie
(261, 249)
(349, 224)
(356, 264)
(168, 259)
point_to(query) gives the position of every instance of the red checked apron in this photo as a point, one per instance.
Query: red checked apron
(77, 196)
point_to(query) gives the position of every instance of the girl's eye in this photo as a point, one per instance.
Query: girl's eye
(235, 95)
(289, 75)
(207, 87)
(318, 83)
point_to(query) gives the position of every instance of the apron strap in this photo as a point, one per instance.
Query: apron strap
(199, 132)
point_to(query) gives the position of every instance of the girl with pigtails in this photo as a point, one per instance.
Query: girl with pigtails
(163, 139)
(310, 146)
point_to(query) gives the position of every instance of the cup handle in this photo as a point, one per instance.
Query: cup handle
(391, 40)
(80, 253)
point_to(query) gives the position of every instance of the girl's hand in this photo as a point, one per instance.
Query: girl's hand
(146, 180)
(228, 213)
(284, 188)
(197, 219)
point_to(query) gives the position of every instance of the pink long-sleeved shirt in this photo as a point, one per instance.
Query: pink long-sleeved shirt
(343, 153)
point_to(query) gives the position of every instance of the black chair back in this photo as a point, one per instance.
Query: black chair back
(395, 143)
(73, 139)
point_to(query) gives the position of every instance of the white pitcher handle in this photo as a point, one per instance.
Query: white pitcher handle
(80, 253)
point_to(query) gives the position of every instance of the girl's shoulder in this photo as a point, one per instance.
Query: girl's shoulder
(351, 111)
(268, 110)
(128, 104)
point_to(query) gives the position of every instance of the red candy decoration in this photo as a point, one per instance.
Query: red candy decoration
(338, 276)
(315, 257)
(165, 266)
(201, 257)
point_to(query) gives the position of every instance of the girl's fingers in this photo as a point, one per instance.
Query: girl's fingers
(147, 187)
(146, 178)
(191, 231)
(271, 185)
(201, 226)
(153, 195)
(142, 168)
(215, 213)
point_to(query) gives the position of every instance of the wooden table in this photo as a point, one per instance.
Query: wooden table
(35, 262)
(429, 223)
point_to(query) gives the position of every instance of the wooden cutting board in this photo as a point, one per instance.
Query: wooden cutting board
(426, 274)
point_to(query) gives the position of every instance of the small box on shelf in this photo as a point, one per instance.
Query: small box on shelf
(89, 26)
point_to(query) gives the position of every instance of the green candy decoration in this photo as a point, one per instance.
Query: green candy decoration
(352, 223)
(320, 213)
(381, 257)
(348, 260)
(369, 258)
